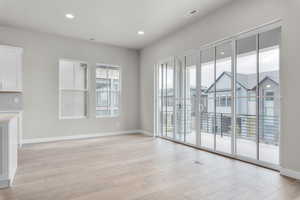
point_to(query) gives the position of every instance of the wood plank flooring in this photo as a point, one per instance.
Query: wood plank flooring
(136, 167)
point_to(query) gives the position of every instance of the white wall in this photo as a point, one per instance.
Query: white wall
(40, 80)
(290, 73)
(234, 18)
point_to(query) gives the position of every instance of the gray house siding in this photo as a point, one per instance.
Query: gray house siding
(269, 106)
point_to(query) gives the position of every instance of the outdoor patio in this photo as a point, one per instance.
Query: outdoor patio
(245, 147)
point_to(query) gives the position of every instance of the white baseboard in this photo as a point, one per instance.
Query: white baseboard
(290, 173)
(76, 137)
(147, 133)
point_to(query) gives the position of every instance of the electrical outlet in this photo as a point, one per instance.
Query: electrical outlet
(16, 100)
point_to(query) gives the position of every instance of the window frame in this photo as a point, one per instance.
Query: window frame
(223, 99)
(267, 96)
(218, 102)
(98, 65)
(85, 91)
(228, 101)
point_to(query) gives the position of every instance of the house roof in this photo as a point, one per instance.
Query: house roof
(249, 81)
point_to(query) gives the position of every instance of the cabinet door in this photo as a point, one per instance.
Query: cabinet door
(13, 148)
(3, 152)
(10, 68)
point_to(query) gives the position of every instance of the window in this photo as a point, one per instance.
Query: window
(218, 101)
(252, 96)
(268, 104)
(269, 95)
(107, 91)
(228, 101)
(223, 101)
(73, 89)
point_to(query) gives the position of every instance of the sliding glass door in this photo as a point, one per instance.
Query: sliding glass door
(246, 97)
(207, 98)
(177, 99)
(226, 97)
(216, 97)
(223, 96)
(191, 99)
(166, 96)
(269, 96)
(258, 96)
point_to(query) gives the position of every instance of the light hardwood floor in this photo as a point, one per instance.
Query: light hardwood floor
(136, 167)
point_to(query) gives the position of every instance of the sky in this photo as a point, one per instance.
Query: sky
(246, 64)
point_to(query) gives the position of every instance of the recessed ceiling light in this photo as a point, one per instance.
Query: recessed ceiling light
(268, 86)
(70, 16)
(222, 53)
(141, 32)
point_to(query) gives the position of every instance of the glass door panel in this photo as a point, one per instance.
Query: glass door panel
(246, 97)
(170, 95)
(180, 132)
(207, 98)
(166, 99)
(159, 103)
(162, 103)
(223, 94)
(269, 96)
(190, 98)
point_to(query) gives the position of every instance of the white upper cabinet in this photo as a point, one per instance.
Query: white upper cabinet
(10, 68)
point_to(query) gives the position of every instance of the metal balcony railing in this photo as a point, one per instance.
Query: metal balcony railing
(246, 126)
(221, 124)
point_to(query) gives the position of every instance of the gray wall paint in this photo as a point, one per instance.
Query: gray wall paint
(40, 83)
(232, 19)
(42, 52)
(290, 72)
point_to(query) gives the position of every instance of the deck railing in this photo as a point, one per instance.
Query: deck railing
(246, 126)
(221, 124)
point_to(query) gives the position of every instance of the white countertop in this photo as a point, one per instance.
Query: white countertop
(7, 117)
(10, 111)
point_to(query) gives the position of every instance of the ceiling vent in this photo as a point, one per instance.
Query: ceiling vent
(192, 13)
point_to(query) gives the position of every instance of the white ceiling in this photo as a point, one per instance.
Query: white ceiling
(110, 21)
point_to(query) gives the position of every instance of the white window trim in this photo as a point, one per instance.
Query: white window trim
(120, 91)
(60, 90)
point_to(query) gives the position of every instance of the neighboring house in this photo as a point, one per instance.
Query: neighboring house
(246, 86)
(245, 106)
(246, 94)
